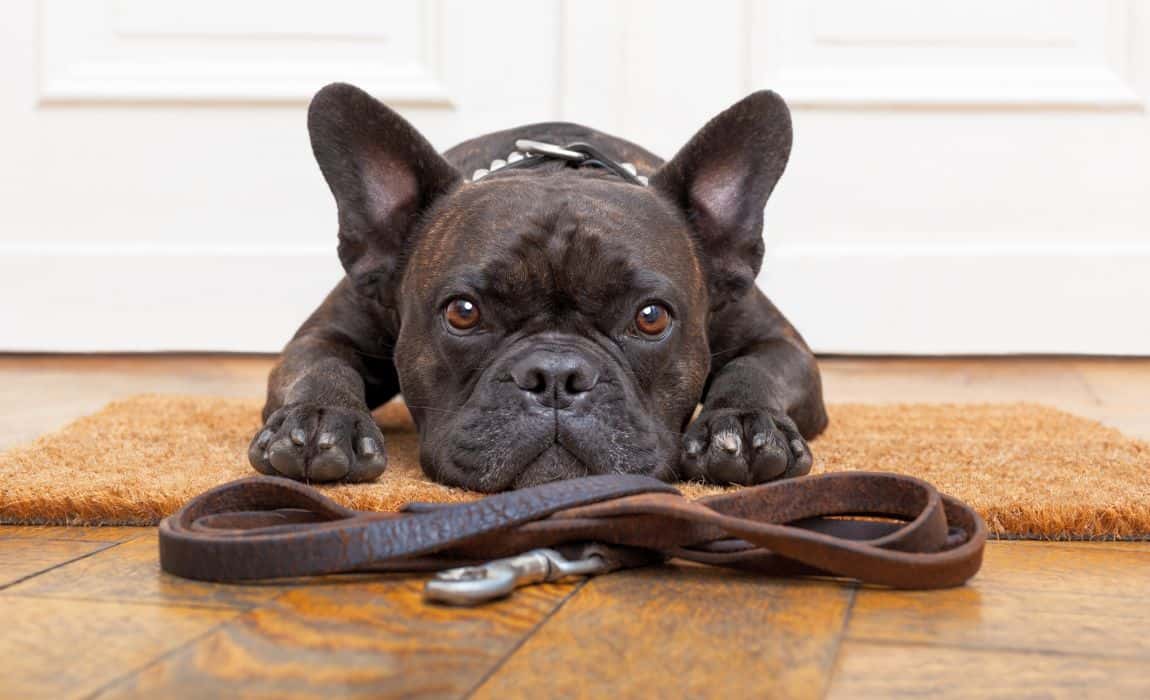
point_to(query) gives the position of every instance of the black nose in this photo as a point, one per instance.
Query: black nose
(554, 379)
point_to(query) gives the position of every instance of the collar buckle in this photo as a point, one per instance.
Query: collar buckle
(576, 154)
(549, 149)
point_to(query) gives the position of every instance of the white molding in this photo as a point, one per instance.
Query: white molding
(150, 249)
(145, 298)
(88, 60)
(1022, 87)
(1087, 68)
(867, 245)
(860, 298)
(128, 82)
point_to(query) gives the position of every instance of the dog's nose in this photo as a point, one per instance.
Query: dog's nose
(554, 379)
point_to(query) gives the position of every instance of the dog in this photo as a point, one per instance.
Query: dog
(551, 321)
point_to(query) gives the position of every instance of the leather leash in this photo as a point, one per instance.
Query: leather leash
(909, 535)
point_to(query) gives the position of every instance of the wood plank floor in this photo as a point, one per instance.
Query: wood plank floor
(85, 612)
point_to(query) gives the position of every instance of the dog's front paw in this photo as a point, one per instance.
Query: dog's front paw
(319, 443)
(729, 446)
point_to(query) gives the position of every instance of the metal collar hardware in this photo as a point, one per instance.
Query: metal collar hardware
(578, 155)
(471, 585)
(549, 149)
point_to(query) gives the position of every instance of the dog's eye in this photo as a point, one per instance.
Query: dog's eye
(652, 320)
(462, 313)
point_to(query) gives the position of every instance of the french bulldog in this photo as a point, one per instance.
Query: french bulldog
(547, 322)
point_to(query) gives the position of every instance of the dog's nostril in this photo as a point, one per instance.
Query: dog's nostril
(534, 381)
(580, 381)
(530, 378)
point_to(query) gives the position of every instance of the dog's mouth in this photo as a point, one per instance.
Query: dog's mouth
(503, 448)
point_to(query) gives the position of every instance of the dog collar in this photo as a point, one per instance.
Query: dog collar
(530, 153)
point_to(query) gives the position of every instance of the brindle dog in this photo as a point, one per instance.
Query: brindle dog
(548, 322)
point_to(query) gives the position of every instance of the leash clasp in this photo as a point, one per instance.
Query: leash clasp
(470, 585)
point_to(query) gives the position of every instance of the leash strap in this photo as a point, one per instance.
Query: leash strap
(876, 528)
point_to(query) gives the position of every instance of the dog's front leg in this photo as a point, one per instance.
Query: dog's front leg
(317, 421)
(762, 402)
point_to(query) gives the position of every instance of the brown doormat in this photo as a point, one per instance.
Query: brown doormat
(1031, 471)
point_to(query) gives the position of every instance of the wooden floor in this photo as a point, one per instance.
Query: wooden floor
(85, 612)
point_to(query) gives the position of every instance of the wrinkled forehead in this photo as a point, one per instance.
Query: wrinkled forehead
(528, 236)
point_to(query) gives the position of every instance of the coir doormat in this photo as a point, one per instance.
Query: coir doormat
(1030, 470)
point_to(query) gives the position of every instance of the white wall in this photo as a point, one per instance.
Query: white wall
(967, 176)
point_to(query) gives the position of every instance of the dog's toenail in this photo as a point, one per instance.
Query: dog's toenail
(694, 447)
(368, 447)
(264, 438)
(797, 446)
(728, 442)
(298, 436)
(325, 441)
(759, 440)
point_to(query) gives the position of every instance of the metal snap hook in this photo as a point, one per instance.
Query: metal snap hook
(470, 585)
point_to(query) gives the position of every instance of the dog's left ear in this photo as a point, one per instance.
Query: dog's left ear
(722, 179)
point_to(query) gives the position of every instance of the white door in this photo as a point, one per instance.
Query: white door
(967, 177)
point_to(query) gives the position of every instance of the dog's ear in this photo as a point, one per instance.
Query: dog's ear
(383, 174)
(722, 179)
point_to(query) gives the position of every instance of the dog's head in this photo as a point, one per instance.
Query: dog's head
(552, 324)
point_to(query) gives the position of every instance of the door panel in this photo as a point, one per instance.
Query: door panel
(966, 178)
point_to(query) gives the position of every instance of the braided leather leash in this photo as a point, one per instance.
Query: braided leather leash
(911, 536)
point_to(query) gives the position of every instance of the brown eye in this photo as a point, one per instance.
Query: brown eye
(652, 319)
(462, 314)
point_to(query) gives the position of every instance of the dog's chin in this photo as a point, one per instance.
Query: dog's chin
(543, 462)
(504, 447)
(553, 464)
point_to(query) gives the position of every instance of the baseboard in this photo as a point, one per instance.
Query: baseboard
(965, 299)
(863, 299)
(147, 299)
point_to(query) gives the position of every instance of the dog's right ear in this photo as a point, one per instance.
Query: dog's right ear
(383, 174)
(721, 179)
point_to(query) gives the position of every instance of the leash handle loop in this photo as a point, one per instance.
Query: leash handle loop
(268, 527)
